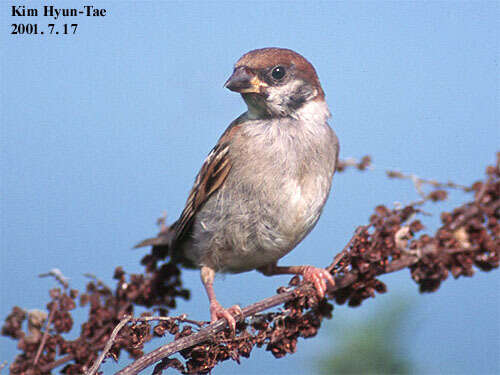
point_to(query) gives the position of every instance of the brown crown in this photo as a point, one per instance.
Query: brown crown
(265, 58)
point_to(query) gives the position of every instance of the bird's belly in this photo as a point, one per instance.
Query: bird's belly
(279, 181)
(242, 228)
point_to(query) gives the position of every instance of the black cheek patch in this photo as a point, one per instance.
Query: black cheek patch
(299, 97)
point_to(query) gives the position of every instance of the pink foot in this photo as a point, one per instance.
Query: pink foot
(319, 277)
(218, 312)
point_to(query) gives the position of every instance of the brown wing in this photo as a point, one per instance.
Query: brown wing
(211, 176)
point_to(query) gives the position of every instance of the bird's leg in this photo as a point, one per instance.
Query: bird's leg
(318, 276)
(216, 310)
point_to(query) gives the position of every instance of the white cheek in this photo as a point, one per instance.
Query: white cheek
(279, 94)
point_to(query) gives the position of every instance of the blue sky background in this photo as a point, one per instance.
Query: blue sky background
(104, 130)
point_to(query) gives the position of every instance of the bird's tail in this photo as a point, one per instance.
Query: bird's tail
(164, 244)
(164, 238)
(153, 241)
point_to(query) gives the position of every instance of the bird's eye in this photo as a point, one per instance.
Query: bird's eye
(278, 72)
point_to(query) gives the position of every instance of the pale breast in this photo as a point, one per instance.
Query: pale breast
(279, 182)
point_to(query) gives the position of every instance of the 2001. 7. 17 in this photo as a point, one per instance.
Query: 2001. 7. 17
(33, 29)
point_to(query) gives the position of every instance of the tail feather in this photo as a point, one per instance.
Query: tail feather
(154, 241)
(165, 244)
(164, 238)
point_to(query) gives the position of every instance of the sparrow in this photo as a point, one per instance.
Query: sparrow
(263, 186)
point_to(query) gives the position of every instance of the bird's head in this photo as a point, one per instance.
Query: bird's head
(275, 82)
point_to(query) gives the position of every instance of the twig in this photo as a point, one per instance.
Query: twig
(57, 363)
(182, 318)
(98, 281)
(419, 181)
(161, 221)
(482, 191)
(109, 344)
(364, 163)
(220, 325)
(69, 357)
(58, 275)
(45, 333)
(345, 250)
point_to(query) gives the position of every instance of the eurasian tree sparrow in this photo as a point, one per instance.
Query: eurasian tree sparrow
(263, 186)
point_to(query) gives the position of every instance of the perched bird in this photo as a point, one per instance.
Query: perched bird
(263, 186)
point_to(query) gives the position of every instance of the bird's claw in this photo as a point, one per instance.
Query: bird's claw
(319, 277)
(218, 312)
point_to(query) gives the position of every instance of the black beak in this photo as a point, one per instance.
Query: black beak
(243, 80)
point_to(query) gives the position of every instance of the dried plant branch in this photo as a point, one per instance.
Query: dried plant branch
(58, 275)
(257, 307)
(419, 181)
(129, 319)
(468, 239)
(45, 334)
(438, 193)
(95, 367)
(419, 251)
(364, 163)
(405, 261)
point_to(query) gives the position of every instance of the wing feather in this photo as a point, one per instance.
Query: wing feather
(214, 171)
(212, 175)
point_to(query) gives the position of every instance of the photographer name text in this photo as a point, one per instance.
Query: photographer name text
(53, 14)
